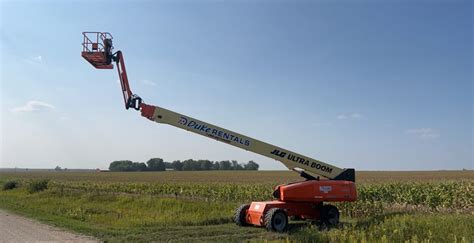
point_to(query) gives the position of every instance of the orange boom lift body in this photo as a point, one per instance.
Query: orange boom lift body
(303, 200)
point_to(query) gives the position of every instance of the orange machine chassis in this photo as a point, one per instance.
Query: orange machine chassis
(301, 200)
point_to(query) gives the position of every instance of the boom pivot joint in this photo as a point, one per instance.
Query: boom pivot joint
(134, 102)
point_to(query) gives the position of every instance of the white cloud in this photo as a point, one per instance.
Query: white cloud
(148, 82)
(35, 59)
(427, 133)
(34, 106)
(354, 116)
(38, 58)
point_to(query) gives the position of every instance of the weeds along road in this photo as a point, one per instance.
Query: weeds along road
(14, 228)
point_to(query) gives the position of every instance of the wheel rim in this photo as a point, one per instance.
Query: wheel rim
(279, 222)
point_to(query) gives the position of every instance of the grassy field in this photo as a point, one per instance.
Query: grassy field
(184, 206)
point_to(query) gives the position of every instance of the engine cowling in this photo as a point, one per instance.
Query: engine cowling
(317, 191)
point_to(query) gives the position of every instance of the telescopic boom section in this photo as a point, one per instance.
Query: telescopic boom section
(290, 159)
(293, 161)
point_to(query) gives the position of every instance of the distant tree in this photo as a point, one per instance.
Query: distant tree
(121, 165)
(177, 165)
(156, 164)
(188, 164)
(195, 165)
(205, 164)
(58, 168)
(225, 165)
(168, 165)
(251, 165)
(236, 165)
(139, 166)
(215, 165)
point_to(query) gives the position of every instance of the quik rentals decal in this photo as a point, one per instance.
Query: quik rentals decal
(213, 132)
(300, 160)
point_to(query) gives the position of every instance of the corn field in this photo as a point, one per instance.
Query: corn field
(372, 198)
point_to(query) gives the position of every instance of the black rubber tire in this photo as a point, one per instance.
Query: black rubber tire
(329, 215)
(276, 220)
(240, 214)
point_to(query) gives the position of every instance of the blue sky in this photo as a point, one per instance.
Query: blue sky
(374, 85)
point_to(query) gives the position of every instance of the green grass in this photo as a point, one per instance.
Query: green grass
(37, 185)
(398, 227)
(112, 209)
(147, 218)
(131, 217)
(9, 185)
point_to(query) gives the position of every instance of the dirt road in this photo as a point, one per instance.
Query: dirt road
(14, 228)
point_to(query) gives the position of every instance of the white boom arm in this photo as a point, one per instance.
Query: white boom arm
(290, 159)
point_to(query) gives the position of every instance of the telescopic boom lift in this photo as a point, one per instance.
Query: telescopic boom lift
(299, 200)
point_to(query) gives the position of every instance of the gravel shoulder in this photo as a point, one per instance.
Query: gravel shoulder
(15, 228)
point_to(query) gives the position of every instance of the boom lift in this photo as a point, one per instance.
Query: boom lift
(300, 200)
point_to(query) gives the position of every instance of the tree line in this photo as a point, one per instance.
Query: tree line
(157, 164)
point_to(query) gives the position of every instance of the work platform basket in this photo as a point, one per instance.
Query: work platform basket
(97, 49)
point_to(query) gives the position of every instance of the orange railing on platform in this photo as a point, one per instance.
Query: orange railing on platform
(94, 41)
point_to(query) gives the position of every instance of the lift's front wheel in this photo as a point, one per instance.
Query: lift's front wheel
(276, 220)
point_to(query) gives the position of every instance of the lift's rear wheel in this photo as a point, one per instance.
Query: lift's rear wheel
(240, 214)
(276, 220)
(329, 215)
